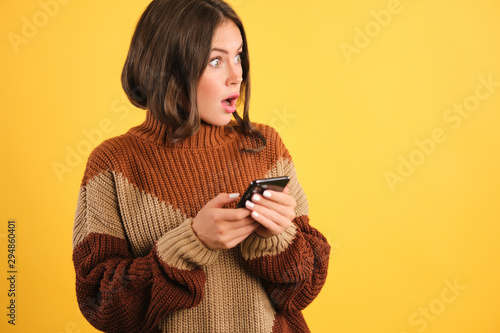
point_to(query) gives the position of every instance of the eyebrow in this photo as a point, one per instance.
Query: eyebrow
(224, 51)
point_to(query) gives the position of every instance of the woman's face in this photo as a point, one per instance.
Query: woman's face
(219, 85)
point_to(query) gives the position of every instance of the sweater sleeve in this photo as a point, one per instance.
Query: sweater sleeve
(293, 265)
(117, 292)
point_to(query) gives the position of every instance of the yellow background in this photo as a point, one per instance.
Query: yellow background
(347, 118)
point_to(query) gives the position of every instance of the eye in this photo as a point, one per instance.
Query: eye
(238, 59)
(216, 63)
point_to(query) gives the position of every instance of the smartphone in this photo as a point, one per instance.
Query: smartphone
(260, 185)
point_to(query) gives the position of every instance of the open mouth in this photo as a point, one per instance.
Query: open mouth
(231, 100)
(229, 104)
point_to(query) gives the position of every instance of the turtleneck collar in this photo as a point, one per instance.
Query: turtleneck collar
(208, 136)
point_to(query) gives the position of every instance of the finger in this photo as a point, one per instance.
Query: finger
(268, 216)
(241, 234)
(273, 222)
(232, 215)
(233, 225)
(222, 199)
(229, 230)
(246, 229)
(278, 197)
(285, 206)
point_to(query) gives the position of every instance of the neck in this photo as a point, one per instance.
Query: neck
(153, 131)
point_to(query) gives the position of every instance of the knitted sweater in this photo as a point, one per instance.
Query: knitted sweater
(140, 267)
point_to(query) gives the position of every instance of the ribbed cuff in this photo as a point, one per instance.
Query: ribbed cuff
(180, 248)
(255, 246)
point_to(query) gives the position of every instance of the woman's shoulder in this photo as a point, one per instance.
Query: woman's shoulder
(112, 150)
(273, 138)
(115, 154)
(265, 129)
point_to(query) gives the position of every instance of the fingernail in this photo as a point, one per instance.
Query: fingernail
(267, 194)
(256, 197)
(249, 204)
(255, 214)
(234, 195)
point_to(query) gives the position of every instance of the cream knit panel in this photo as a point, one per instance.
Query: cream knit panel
(234, 302)
(149, 221)
(182, 249)
(97, 209)
(145, 218)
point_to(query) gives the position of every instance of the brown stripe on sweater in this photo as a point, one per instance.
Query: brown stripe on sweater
(118, 293)
(173, 175)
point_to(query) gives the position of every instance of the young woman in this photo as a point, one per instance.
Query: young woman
(158, 244)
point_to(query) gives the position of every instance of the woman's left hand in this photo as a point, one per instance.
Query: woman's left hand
(273, 210)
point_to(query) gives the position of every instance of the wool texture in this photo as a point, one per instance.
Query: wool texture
(141, 268)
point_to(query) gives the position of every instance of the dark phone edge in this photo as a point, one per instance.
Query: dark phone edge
(253, 184)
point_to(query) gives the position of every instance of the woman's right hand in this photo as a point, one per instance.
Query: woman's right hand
(223, 228)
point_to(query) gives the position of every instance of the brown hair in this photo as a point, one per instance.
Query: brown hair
(169, 51)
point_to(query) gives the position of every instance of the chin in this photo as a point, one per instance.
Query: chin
(218, 121)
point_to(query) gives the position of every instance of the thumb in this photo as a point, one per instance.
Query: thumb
(222, 199)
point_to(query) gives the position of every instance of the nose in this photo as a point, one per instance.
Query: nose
(234, 75)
